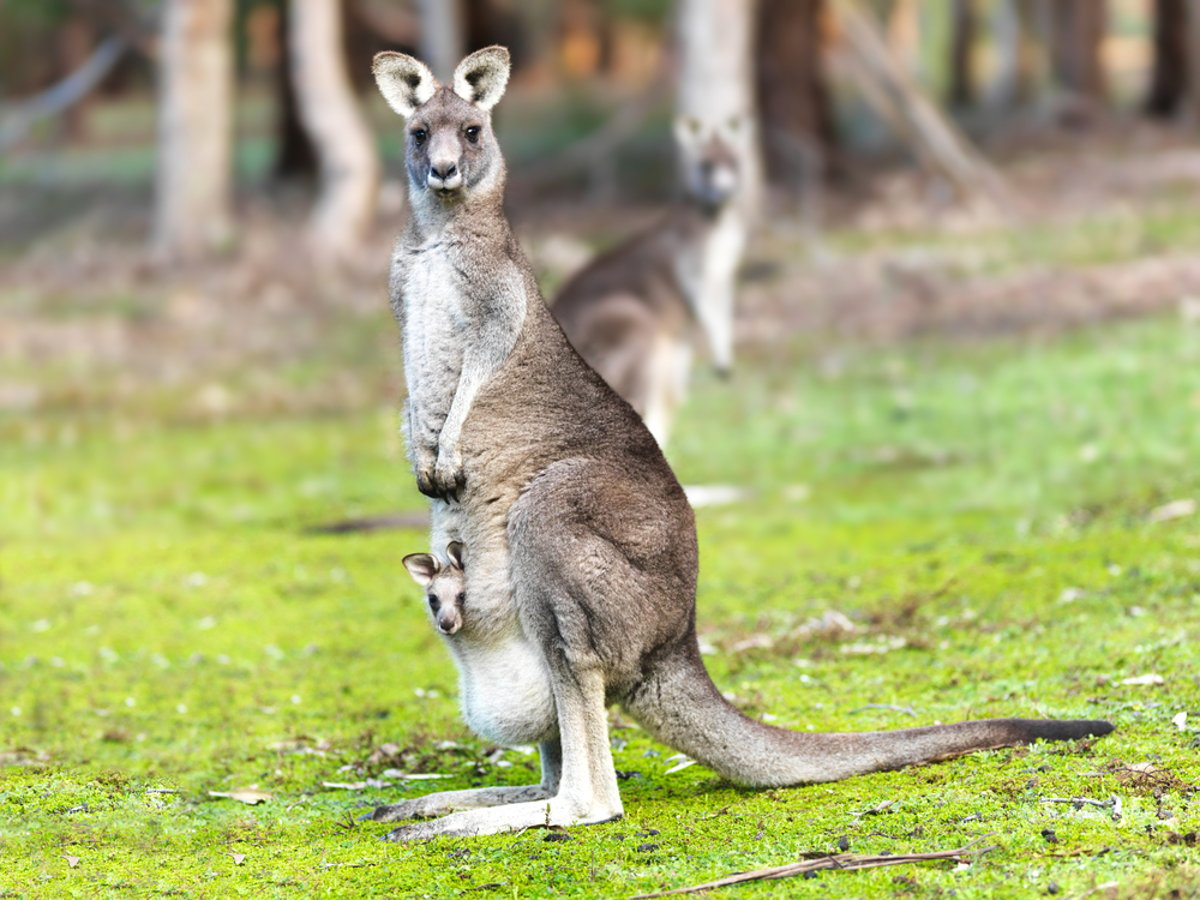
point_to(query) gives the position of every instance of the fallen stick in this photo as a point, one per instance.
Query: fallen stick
(845, 861)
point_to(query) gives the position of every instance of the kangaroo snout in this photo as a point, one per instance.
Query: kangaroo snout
(444, 175)
(449, 621)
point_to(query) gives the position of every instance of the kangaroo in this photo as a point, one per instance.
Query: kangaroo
(636, 312)
(582, 565)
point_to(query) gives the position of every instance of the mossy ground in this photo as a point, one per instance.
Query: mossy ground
(983, 514)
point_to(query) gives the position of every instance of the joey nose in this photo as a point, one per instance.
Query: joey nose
(449, 622)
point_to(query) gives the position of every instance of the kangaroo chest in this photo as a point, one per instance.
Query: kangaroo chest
(434, 319)
(708, 260)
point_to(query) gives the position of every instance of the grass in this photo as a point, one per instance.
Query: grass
(983, 514)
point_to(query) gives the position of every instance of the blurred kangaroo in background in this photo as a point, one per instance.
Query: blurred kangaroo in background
(581, 547)
(636, 312)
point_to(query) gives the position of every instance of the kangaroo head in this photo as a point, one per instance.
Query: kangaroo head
(451, 151)
(445, 585)
(708, 159)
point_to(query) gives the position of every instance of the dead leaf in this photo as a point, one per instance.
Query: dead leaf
(1176, 509)
(1140, 680)
(250, 795)
(72, 861)
(238, 858)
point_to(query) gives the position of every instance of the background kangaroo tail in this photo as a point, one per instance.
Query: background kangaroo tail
(680, 706)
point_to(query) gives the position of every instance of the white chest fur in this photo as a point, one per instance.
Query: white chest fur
(505, 691)
(433, 322)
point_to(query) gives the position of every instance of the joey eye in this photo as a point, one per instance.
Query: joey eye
(473, 134)
(434, 603)
(419, 136)
(461, 598)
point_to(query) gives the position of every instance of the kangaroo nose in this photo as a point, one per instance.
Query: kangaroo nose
(444, 170)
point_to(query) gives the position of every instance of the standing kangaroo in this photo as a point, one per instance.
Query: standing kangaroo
(581, 547)
(635, 313)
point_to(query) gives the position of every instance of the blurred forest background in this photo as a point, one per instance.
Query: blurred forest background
(961, 434)
(192, 190)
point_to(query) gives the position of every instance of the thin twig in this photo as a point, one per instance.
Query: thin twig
(846, 861)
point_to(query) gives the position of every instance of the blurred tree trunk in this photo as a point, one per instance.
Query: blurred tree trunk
(964, 25)
(75, 43)
(192, 214)
(1193, 50)
(349, 175)
(1016, 27)
(1077, 29)
(295, 155)
(441, 36)
(1169, 75)
(796, 116)
(716, 79)
(891, 91)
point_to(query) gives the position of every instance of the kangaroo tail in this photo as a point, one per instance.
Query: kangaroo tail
(680, 706)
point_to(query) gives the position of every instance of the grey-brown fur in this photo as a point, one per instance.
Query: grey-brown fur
(581, 550)
(636, 312)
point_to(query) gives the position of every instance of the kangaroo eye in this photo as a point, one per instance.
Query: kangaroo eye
(434, 603)
(419, 136)
(473, 134)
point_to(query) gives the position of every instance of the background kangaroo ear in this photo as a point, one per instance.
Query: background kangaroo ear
(454, 550)
(688, 131)
(404, 81)
(482, 77)
(422, 567)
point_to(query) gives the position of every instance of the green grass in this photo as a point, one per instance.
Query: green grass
(984, 511)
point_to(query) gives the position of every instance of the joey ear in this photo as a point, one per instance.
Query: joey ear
(404, 81)
(422, 567)
(454, 550)
(482, 77)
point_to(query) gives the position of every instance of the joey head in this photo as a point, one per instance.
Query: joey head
(445, 586)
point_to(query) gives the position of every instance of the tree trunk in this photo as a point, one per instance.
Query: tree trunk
(1192, 15)
(887, 86)
(963, 27)
(1077, 29)
(75, 45)
(295, 156)
(1169, 76)
(192, 215)
(441, 36)
(349, 171)
(715, 79)
(795, 113)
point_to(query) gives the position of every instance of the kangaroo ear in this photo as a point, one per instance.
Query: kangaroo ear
(454, 550)
(422, 567)
(688, 131)
(482, 77)
(404, 81)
